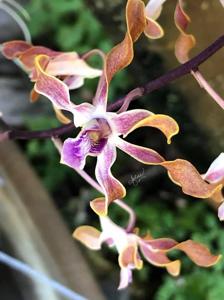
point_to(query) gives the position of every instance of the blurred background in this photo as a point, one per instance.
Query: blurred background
(161, 208)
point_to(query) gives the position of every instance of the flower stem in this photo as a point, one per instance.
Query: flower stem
(209, 89)
(180, 71)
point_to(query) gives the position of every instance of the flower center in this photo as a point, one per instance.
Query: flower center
(98, 132)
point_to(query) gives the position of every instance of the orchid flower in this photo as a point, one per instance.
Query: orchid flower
(153, 250)
(67, 66)
(101, 130)
(215, 176)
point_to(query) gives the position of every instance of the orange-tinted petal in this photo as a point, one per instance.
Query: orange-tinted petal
(160, 259)
(184, 174)
(164, 123)
(99, 206)
(89, 236)
(124, 122)
(129, 257)
(122, 54)
(198, 253)
(153, 30)
(185, 42)
(28, 57)
(13, 49)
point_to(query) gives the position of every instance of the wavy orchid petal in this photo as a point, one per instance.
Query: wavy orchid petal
(88, 236)
(51, 87)
(160, 259)
(112, 188)
(162, 244)
(122, 54)
(13, 49)
(153, 30)
(167, 125)
(124, 122)
(60, 63)
(28, 57)
(67, 64)
(100, 99)
(185, 42)
(142, 154)
(184, 174)
(198, 253)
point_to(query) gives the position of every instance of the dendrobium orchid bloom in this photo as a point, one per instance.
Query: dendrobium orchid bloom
(68, 66)
(101, 130)
(153, 250)
(215, 176)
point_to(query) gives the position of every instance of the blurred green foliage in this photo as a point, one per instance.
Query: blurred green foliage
(69, 25)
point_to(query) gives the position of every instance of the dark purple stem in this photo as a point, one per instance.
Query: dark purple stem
(15, 134)
(191, 65)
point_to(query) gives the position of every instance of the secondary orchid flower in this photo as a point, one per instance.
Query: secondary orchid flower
(68, 66)
(215, 176)
(153, 250)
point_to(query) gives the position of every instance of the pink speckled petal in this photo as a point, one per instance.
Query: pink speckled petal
(142, 154)
(112, 188)
(51, 87)
(123, 122)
